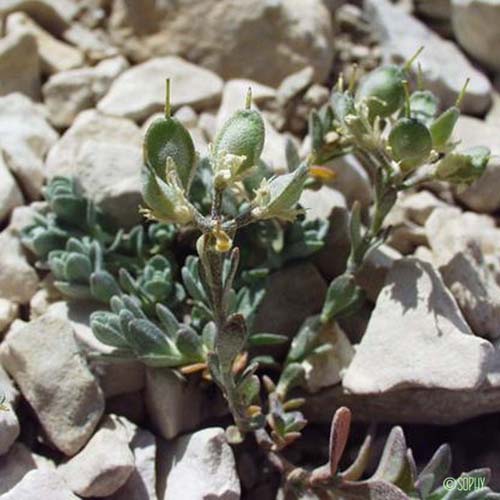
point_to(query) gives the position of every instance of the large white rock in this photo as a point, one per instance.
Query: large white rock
(198, 466)
(94, 43)
(44, 360)
(69, 92)
(19, 65)
(10, 194)
(25, 137)
(444, 67)
(54, 55)
(262, 40)
(104, 465)
(140, 91)
(319, 203)
(417, 338)
(38, 484)
(475, 25)
(104, 155)
(9, 424)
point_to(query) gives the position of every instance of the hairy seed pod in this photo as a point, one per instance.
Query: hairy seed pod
(242, 135)
(167, 137)
(384, 90)
(410, 141)
(442, 127)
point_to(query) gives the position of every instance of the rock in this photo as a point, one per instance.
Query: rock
(43, 359)
(198, 466)
(444, 67)
(460, 260)
(9, 424)
(176, 405)
(493, 116)
(24, 215)
(25, 137)
(95, 44)
(417, 338)
(484, 194)
(116, 379)
(292, 294)
(420, 205)
(39, 484)
(208, 124)
(141, 485)
(104, 465)
(475, 25)
(327, 369)
(9, 311)
(294, 84)
(434, 9)
(54, 55)
(129, 405)
(223, 36)
(19, 65)
(10, 194)
(319, 203)
(140, 91)
(104, 155)
(69, 92)
(233, 99)
(18, 280)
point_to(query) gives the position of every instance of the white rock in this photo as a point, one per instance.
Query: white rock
(25, 137)
(18, 280)
(444, 67)
(69, 92)
(140, 91)
(417, 337)
(54, 55)
(459, 256)
(10, 194)
(198, 466)
(19, 65)
(176, 405)
(43, 359)
(419, 206)
(435, 9)
(484, 194)
(319, 204)
(9, 424)
(475, 25)
(104, 155)
(39, 484)
(95, 44)
(104, 465)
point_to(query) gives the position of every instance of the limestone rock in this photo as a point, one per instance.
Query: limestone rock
(69, 92)
(43, 358)
(9, 311)
(25, 138)
(54, 55)
(104, 155)
(419, 206)
(444, 67)
(94, 43)
(199, 465)
(104, 465)
(475, 25)
(417, 338)
(319, 204)
(140, 91)
(9, 424)
(19, 65)
(10, 194)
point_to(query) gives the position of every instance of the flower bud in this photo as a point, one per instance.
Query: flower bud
(410, 142)
(383, 90)
(463, 168)
(278, 197)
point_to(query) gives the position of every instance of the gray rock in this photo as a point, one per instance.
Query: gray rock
(104, 155)
(10, 194)
(94, 43)
(484, 194)
(319, 203)
(475, 25)
(140, 91)
(444, 67)
(19, 65)
(9, 311)
(39, 484)
(25, 137)
(69, 92)
(54, 55)
(104, 465)
(420, 205)
(417, 337)
(434, 9)
(198, 466)
(9, 424)
(176, 404)
(43, 358)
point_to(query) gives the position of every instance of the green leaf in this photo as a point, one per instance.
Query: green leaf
(78, 268)
(189, 344)
(103, 286)
(342, 296)
(147, 339)
(266, 339)
(230, 341)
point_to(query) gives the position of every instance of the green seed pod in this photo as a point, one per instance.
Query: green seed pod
(384, 90)
(442, 127)
(410, 141)
(167, 137)
(463, 168)
(242, 135)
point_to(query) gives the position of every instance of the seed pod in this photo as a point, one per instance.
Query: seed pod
(463, 168)
(410, 141)
(384, 91)
(167, 137)
(242, 135)
(442, 127)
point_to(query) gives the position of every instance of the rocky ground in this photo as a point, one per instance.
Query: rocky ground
(80, 80)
